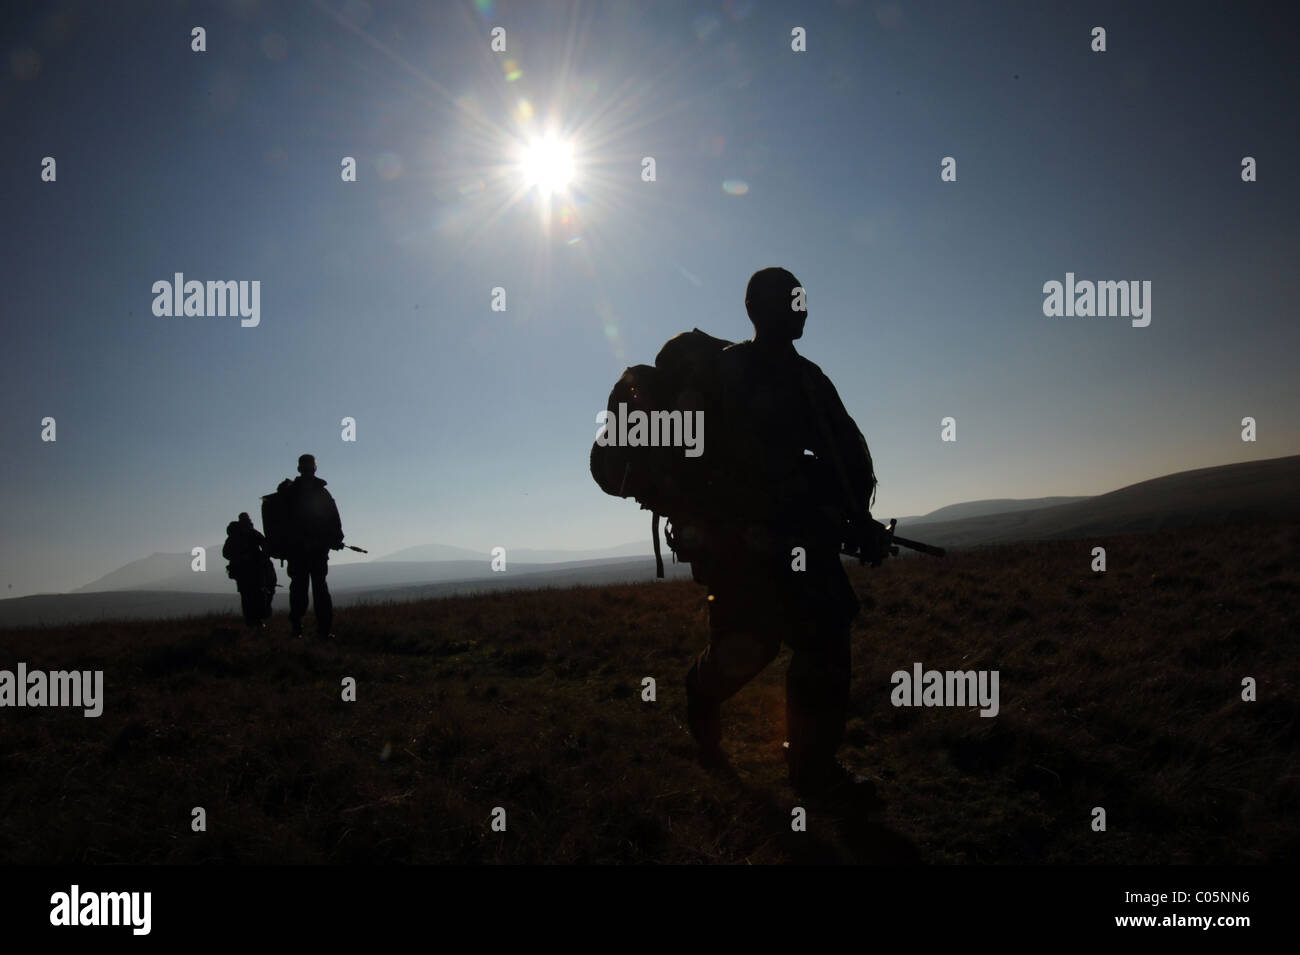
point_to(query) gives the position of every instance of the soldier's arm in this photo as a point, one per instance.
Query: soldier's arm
(336, 527)
(850, 445)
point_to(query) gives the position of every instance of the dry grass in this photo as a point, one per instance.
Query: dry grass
(1120, 690)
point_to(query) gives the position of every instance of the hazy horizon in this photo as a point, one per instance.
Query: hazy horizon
(925, 297)
(531, 558)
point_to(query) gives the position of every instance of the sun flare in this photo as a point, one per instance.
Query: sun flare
(547, 163)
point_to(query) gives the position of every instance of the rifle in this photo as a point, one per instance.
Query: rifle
(344, 547)
(857, 546)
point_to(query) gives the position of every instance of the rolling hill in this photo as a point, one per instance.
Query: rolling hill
(1267, 490)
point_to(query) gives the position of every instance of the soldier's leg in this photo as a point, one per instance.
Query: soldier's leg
(320, 595)
(298, 581)
(817, 683)
(817, 695)
(268, 583)
(742, 641)
(249, 600)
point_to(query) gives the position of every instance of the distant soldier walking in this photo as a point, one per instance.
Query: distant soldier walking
(315, 530)
(251, 568)
(791, 469)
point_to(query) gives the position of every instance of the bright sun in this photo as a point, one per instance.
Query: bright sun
(547, 163)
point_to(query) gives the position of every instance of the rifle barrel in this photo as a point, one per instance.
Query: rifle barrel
(917, 545)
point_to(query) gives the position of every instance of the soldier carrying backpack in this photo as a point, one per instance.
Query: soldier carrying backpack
(302, 526)
(761, 516)
(251, 569)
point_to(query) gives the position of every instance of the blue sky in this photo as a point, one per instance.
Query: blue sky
(473, 426)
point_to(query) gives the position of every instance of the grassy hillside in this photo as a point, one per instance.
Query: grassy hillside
(1120, 691)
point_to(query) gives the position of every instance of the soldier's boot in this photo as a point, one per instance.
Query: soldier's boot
(815, 731)
(704, 718)
(823, 777)
(325, 627)
(816, 709)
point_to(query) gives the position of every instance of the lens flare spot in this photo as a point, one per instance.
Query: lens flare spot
(735, 187)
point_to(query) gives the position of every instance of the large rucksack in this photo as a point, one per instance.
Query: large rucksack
(662, 479)
(277, 520)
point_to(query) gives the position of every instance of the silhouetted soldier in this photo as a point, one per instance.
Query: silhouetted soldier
(316, 530)
(773, 406)
(251, 569)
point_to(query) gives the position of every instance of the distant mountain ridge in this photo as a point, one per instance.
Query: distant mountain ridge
(148, 573)
(108, 605)
(163, 584)
(1266, 490)
(428, 552)
(1005, 505)
(172, 572)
